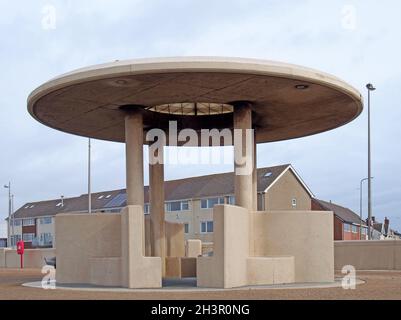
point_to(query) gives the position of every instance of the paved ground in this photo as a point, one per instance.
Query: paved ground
(379, 285)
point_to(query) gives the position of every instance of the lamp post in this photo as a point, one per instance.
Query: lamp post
(360, 206)
(370, 88)
(89, 178)
(13, 220)
(9, 213)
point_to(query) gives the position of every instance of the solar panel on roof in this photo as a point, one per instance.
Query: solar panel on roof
(117, 201)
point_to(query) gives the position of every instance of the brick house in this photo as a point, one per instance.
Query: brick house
(347, 224)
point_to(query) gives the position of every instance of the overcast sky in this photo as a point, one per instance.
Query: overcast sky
(358, 41)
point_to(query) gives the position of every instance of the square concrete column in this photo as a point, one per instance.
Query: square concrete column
(243, 155)
(156, 197)
(134, 157)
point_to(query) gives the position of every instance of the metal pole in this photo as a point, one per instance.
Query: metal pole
(9, 215)
(89, 178)
(360, 207)
(370, 88)
(360, 210)
(12, 219)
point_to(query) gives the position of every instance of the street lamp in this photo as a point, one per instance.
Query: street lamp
(360, 206)
(9, 213)
(370, 88)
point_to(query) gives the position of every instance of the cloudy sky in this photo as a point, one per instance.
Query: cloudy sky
(358, 41)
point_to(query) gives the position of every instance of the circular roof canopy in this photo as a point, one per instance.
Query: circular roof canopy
(288, 101)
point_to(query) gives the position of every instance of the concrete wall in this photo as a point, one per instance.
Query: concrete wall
(306, 235)
(368, 255)
(90, 245)
(80, 237)
(279, 196)
(175, 240)
(227, 268)
(175, 244)
(33, 258)
(259, 257)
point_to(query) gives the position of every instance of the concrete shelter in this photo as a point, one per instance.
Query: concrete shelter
(124, 100)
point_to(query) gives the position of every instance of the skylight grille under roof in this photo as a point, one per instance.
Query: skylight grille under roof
(193, 108)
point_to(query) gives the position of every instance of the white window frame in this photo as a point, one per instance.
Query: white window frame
(354, 227)
(15, 238)
(30, 220)
(28, 240)
(48, 220)
(347, 225)
(294, 202)
(231, 200)
(220, 200)
(206, 226)
(168, 206)
(47, 235)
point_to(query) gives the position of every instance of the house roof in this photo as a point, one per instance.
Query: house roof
(345, 214)
(182, 189)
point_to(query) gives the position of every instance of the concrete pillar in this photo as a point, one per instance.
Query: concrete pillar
(243, 153)
(254, 176)
(156, 200)
(134, 157)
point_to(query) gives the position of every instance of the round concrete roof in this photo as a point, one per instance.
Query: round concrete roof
(288, 101)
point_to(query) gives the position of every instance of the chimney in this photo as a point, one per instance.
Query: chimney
(386, 224)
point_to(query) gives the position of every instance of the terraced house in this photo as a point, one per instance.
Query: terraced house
(189, 201)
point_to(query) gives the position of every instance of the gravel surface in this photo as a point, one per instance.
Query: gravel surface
(379, 285)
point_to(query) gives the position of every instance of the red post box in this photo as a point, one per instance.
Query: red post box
(20, 251)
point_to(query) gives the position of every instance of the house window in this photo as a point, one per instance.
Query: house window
(211, 202)
(177, 206)
(206, 226)
(364, 231)
(45, 220)
(16, 223)
(294, 202)
(15, 239)
(354, 229)
(146, 208)
(28, 237)
(186, 228)
(347, 227)
(28, 222)
(231, 200)
(46, 238)
(184, 205)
